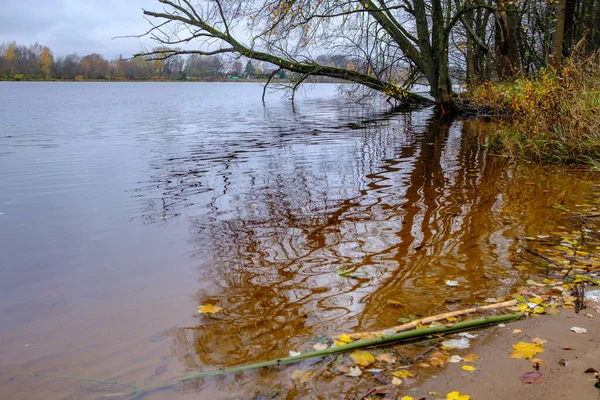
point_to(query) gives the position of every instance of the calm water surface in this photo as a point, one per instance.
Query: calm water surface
(123, 207)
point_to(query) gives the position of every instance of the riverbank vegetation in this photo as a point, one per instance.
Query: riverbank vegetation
(551, 117)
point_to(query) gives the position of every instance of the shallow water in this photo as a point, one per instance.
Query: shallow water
(124, 207)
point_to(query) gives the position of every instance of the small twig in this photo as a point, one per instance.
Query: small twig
(567, 274)
(548, 260)
(423, 354)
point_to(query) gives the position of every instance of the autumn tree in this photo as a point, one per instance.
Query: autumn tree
(95, 66)
(198, 66)
(46, 61)
(383, 35)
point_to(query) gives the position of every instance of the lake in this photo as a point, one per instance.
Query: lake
(124, 207)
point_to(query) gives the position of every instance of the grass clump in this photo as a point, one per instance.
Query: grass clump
(554, 117)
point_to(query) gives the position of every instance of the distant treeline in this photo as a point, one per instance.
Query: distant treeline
(37, 62)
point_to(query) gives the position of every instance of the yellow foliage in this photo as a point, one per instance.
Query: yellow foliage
(456, 395)
(526, 350)
(362, 358)
(342, 340)
(209, 309)
(403, 374)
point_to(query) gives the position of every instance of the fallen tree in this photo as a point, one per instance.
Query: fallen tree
(394, 43)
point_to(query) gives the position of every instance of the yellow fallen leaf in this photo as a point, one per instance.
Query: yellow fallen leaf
(536, 300)
(438, 358)
(456, 395)
(526, 350)
(452, 319)
(387, 358)
(538, 310)
(407, 398)
(342, 340)
(539, 341)
(403, 374)
(471, 357)
(467, 368)
(209, 309)
(433, 393)
(523, 307)
(517, 331)
(534, 283)
(301, 376)
(396, 381)
(362, 358)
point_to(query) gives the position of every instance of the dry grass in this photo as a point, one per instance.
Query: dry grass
(552, 118)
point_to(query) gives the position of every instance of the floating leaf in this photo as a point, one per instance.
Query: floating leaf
(460, 344)
(471, 357)
(456, 395)
(523, 307)
(209, 309)
(526, 350)
(354, 372)
(403, 374)
(407, 398)
(517, 331)
(342, 340)
(161, 369)
(387, 358)
(539, 341)
(451, 283)
(578, 330)
(396, 381)
(320, 346)
(591, 371)
(534, 283)
(294, 353)
(532, 377)
(438, 358)
(363, 358)
(455, 359)
(301, 376)
(467, 368)
(452, 319)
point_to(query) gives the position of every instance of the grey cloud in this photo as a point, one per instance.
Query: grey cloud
(82, 26)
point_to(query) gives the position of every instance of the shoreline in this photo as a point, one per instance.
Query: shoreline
(566, 357)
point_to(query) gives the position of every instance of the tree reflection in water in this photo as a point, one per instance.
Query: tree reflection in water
(405, 204)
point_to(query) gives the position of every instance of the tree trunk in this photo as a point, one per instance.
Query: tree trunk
(555, 57)
(569, 38)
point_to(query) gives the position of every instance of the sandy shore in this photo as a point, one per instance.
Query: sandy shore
(565, 358)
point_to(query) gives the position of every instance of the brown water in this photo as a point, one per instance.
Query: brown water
(123, 207)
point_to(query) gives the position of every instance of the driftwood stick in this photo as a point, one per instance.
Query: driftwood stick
(549, 261)
(428, 320)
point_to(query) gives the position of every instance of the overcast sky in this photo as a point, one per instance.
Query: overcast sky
(81, 26)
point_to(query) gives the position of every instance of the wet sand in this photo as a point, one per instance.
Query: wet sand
(499, 377)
